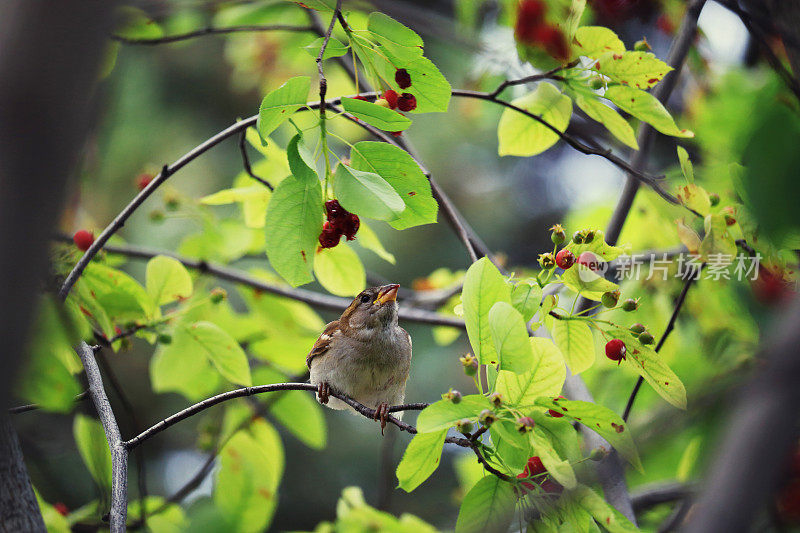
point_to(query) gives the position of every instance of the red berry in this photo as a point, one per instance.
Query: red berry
(615, 350)
(83, 239)
(534, 468)
(407, 102)
(552, 40)
(565, 259)
(391, 97)
(359, 97)
(334, 210)
(329, 238)
(403, 78)
(590, 260)
(769, 287)
(529, 16)
(664, 24)
(143, 180)
(61, 508)
(396, 133)
(350, 226)
(554, 413)
(525, 424)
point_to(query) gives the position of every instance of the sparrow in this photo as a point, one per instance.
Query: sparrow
(365, 354)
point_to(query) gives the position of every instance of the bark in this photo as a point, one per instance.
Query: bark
(19, 510)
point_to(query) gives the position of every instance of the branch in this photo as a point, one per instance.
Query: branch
(670, 326)
(676, 58)
(246, 162)
(654, 494)
(34, 406)
(211, 31)
(119, 452)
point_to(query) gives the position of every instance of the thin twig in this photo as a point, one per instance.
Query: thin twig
(549, 75)
(34, 406)
(670, 326)
(246, 162)
(119, 452)
(211, 31)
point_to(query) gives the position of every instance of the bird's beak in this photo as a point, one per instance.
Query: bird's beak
(388, 293)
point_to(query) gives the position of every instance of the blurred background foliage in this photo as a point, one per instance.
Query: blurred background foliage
(159, 101)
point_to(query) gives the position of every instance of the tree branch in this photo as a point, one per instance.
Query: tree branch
(670, 326)
(211, 31)
(246, 162)
(119, 452)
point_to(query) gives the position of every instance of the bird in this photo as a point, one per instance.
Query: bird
(364, 354)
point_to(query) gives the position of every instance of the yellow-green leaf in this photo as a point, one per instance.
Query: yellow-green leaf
(645, 107)
(339, 270)
(521, 135)
(575, 340)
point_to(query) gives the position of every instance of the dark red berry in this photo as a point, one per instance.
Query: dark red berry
(664, 24)
(525, 424)
(565, 259)
(403, 78)
(615, 350)
(334, 210)
(529, 17)
(329, 238)
(83, 239)
(407, 102)
(143, 180)
(536, 470)
(350, 226)
(391, 97)
(552, 40)
(61, 508)
(396, 133)
(770, 287)
(359, 97)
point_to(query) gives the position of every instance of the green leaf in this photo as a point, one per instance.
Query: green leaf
(400, 41)
(646, 361)
(366, 194)
(524, 136)
(376, 115)
(219, 347)
(444, 413)
(575, 340)
(94, 450)
(601, 420)
(611, 519)
(335, 48)
(301, 164)
(121, 296)
(294, 221)
(428, 85)
(135, 24)
(593, 41)
(686, 164)
(717, 240)
(642, 70)
(248, 477)
(510, 338)
(545, 378)
(487, 508)
(297, 411)
(563, 436)
(695, 197)
(254, 200)
(587, 283)
(177, 367)
(420, 459)
(557, 467)
(279, 104)
(483, 287)
(400, 170)
(526, 298)
(167, 280)
(368, 239)
(598, 246)
(339, 270)
(645, 107)
(614, 123)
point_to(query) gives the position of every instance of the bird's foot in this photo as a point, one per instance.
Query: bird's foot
(323, 392)
(382, 413)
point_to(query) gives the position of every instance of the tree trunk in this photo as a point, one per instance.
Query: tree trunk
(19, 510)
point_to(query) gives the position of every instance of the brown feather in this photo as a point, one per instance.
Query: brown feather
(323, 342)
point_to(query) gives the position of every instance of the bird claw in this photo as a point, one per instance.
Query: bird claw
(382, 413)
(323, 392)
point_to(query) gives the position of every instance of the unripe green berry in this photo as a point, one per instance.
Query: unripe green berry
(610, 298)
(558, 234)
(525, 424)
(630, 305)
(487, 418)
(547, 261)
(464, 425)
(646, 338)
(496, 398)
(156, 216)
(714, 199)
(642, 45)
(165, 339)
(588, 236)
(470, 364)
(637, 329)
(452, 395)
(172, 203)
(217, 295)
(577, 237)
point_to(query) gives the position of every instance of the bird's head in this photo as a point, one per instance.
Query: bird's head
(375, 307)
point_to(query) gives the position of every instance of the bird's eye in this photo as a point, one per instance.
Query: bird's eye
(364, 298)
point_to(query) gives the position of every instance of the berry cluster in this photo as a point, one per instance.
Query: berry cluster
(535, 470)
(532, 29)
(340, 222)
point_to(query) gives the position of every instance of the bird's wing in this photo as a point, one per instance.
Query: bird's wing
(323, 342)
